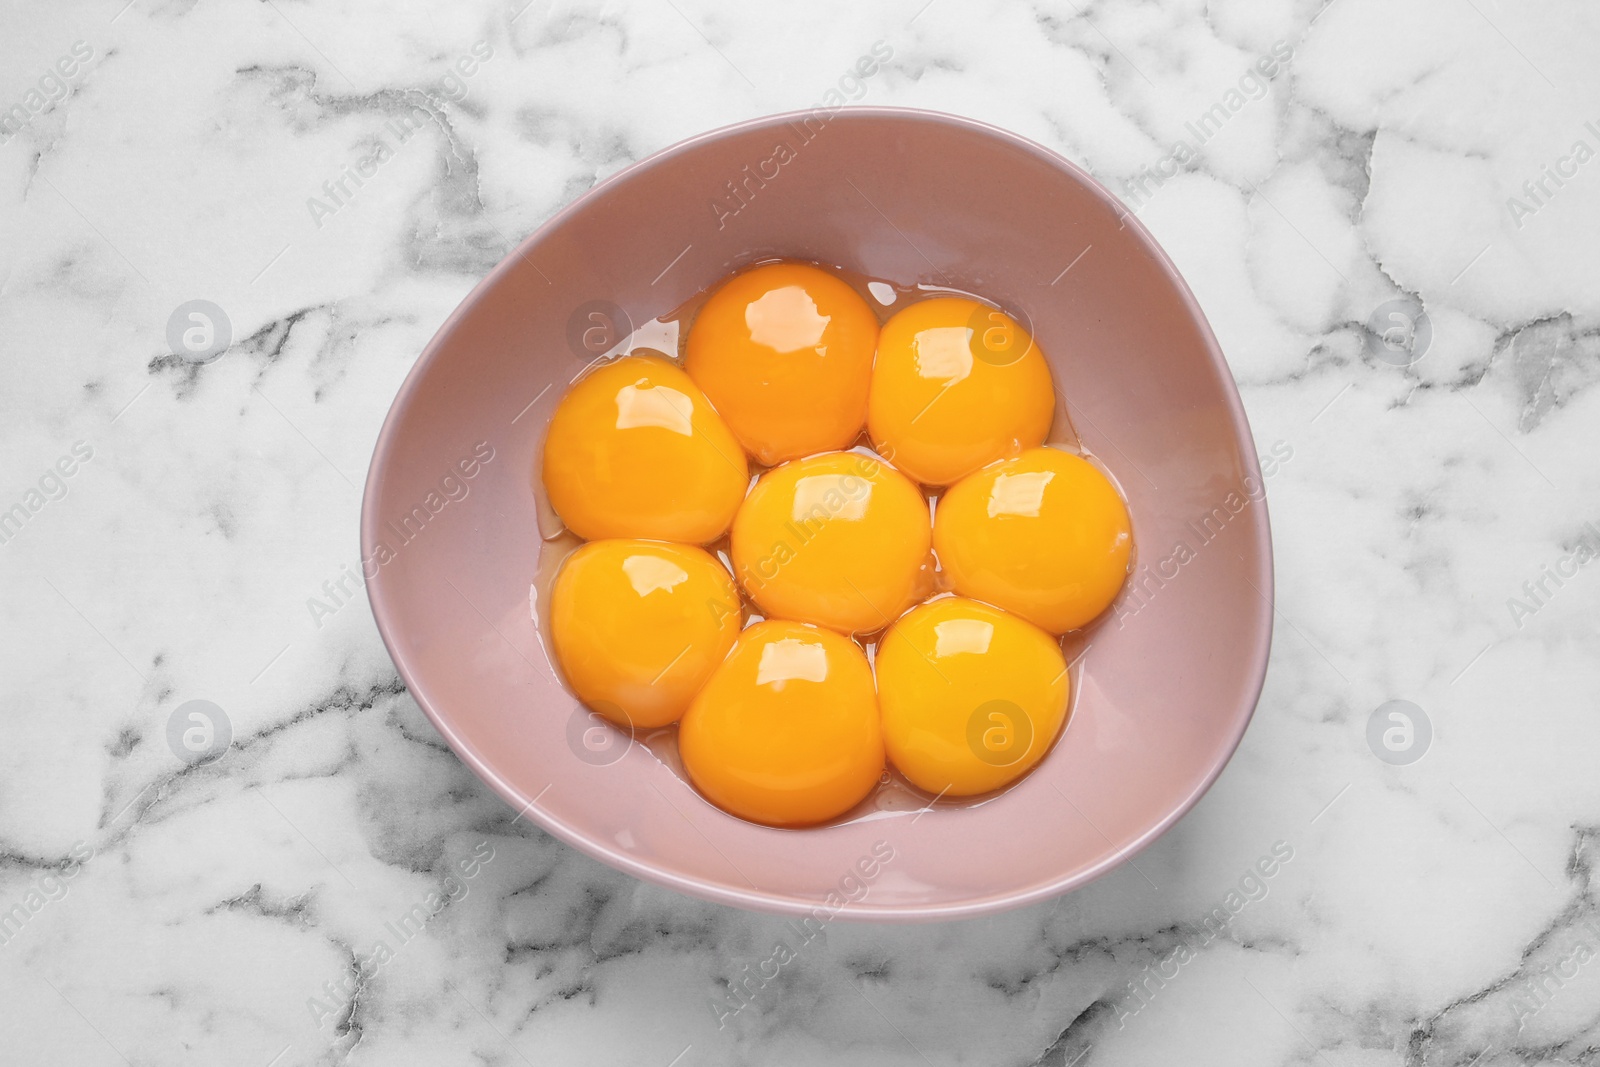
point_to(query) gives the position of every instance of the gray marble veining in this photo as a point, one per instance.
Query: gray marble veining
(1388, 212)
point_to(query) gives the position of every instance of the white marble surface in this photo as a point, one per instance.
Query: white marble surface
(1443, 912)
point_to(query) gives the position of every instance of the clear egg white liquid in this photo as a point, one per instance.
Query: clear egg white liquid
(665, 336)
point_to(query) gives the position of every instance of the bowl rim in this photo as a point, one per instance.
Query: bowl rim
(772, 901)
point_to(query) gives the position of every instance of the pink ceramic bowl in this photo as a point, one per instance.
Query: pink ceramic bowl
(450, 539)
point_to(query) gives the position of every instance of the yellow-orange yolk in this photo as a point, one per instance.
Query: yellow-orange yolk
(784, 352)
(840, 540)
(1044, 535)
(972, 697)
(956, 384)
(786, 732)
(635, 450)
(638, 627)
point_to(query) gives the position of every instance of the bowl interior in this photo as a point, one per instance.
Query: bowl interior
(451, 543)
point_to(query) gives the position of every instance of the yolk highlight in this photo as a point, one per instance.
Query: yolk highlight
(972, 697)
(956, 384)
(1044, 534)
(638, 627)
(786, 732)
(840, 540)
(788, 723)
(784, 353)
(635, 450)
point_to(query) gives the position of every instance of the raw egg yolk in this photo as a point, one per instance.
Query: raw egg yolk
(957, 384)
(972, 697)
(786, 732)
(635, 450)
(840, 540)
(1044, 534)
(784, 352)
(638, 627)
